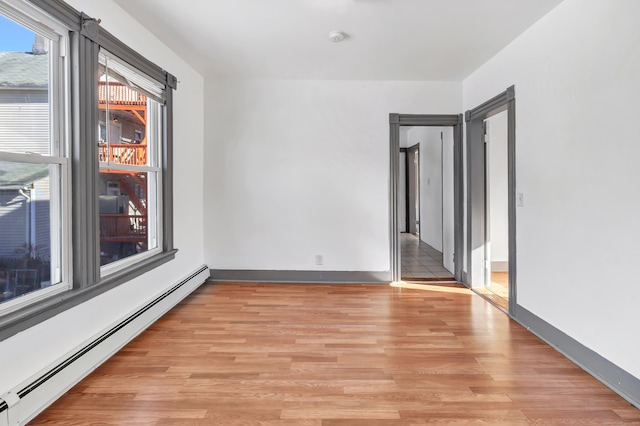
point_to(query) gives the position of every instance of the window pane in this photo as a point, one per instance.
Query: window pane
(122, 129)
(24, 90)
(124, 204)
(30, 244)
(130, 136)
(30, 192)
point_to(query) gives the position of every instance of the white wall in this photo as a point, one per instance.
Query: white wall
(300, 168)
(403, 141)
(402, 181)
(448, 196)
(27, 352)
(430, 183)
(498, 188)
(577, 79)
(402, 193)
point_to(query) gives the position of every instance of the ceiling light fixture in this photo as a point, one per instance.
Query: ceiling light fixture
(336, 36)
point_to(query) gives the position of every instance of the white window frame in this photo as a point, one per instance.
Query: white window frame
(60, 217)
(35, 20)
(62, 239)
(154, 177)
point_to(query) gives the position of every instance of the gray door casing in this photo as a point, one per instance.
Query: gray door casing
(475, 276)
(434, 120)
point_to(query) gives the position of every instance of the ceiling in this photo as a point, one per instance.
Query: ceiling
(387, 39)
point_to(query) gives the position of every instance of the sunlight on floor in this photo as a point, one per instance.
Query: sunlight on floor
(442, 288)
(498, 290)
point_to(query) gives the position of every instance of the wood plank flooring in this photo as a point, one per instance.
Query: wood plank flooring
(498, 290)
(336, 355)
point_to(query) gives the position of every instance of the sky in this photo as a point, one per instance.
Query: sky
(13, 37)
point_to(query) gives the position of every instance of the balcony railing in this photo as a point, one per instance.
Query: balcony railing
(133, 155)
(123, 227)
(119, 94)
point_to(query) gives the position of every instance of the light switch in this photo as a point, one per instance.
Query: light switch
(520, 199)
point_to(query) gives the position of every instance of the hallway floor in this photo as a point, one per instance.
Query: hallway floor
(420, 261)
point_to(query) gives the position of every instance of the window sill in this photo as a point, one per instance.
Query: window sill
(31, 315)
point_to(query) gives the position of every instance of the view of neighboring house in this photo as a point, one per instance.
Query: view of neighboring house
(24, 187)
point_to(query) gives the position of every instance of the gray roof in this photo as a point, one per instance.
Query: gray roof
(24, 70)
(18, 175)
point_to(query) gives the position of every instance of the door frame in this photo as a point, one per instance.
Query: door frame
(476, 191)
(432, 120)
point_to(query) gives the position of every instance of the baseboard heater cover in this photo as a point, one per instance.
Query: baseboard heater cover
(203, 271)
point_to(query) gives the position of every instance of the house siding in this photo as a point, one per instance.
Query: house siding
(24, 121)
(13, 222)
(24, 127)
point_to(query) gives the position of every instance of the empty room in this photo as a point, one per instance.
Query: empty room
(205, 210)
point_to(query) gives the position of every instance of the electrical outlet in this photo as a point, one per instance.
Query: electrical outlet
(319, 259)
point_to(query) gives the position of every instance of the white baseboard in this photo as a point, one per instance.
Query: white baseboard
(26, 401)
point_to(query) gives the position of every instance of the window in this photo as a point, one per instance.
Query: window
(85, 165)
(33, 159)
(131, 105)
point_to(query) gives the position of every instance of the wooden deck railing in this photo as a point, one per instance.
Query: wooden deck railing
(123, 227)
(133, 155)
(119, 94)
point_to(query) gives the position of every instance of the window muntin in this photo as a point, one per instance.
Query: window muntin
(129, 147)
(34, 249)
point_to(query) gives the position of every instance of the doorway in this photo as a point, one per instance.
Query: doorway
(426, 244)
(497, 209)
(453, 124)
(491, 200)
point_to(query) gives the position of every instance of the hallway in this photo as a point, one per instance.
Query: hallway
(420, 261)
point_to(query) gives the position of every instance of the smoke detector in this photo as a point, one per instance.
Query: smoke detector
(336, 36)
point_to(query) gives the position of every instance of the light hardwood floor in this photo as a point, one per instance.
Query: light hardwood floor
(335, 355)
(498, 290)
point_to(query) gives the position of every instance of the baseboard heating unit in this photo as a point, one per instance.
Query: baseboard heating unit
(26, 401)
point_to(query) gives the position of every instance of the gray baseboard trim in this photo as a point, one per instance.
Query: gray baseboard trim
(364, 277)
(614, 377)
